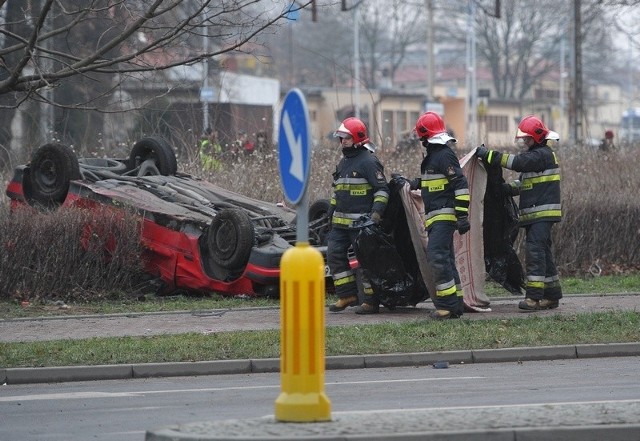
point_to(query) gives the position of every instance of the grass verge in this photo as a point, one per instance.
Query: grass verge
(418, 336)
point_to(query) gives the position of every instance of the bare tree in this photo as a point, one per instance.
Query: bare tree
(522, 45)
(46, 44)
(128, 36)
(308, 53)
(519, 47)
(321, 53)
(389, 28)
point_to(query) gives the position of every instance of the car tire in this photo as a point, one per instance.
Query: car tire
(318, 210)
(230, 239)
(52, 168)
(157, 149)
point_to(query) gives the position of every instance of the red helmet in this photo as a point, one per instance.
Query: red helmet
(429, 125)
(354, 128)
(608, 134)
(532, 126)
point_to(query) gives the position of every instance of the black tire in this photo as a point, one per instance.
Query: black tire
(319, 210)
(157, 149)
(52, 169)
(230, 239)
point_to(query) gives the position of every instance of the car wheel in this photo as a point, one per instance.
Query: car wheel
(159, 151)
(318, 211)
(230, 238)
(52, 168)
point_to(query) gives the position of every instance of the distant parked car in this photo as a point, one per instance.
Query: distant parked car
(196, 235)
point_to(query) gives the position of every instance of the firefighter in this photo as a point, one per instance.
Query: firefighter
(445, 192)
(607, 142)
(210, 150)
(360, 190)
(539, 208)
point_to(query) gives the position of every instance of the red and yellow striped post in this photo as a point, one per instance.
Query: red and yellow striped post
(302, 337)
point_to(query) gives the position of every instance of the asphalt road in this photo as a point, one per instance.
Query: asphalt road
(124, 410)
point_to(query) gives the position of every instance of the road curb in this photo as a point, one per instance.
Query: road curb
(221, 367)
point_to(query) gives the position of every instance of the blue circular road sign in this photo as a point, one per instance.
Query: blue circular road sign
(294, 152)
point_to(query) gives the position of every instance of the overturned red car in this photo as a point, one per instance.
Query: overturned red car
(196, 235)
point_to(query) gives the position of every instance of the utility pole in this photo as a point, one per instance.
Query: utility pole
(46, 66)
(576, 116)
(205, 82)
(471, 106)
(430, 55)
(356, 60)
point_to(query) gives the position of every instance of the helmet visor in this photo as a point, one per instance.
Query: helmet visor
(342, 135)
(521, 134)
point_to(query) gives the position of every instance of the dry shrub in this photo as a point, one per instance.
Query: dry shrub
(257, 175)
(68, 254)
(599, 227)
(43, 257)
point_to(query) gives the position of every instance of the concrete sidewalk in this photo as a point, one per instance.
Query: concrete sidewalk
(212, 321)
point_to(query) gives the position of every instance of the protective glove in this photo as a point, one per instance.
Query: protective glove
(512, 189)
(398, 180)
(507, 188)
(376, 218)
(482, 152)
(462, 225)
(362, 222)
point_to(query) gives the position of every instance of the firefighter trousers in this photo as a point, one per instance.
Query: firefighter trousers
(344, 277)
(442, 260)
(542, 276)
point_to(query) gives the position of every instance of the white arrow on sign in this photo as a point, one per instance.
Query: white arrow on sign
(295, 147)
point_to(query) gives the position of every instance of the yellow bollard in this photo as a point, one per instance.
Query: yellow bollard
(302, 337)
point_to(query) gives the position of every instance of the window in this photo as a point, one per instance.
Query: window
(387, 123)
(497, 123)
(401, 122)
(546, 94)
(414, 119)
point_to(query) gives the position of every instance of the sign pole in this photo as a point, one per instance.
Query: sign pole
(302, 287)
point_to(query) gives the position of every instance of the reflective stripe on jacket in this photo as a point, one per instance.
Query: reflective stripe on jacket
(359, 187)
(539, 186)
(445, 190)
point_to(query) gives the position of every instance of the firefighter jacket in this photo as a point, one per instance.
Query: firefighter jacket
(359, 187)
(539, 183)
(445, 190)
